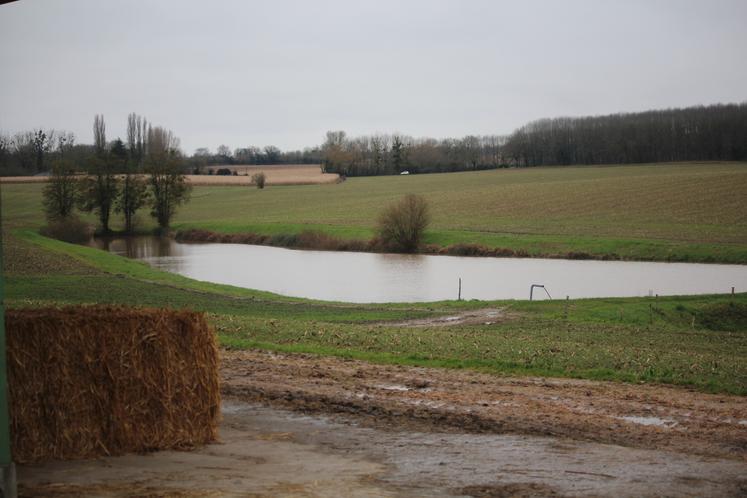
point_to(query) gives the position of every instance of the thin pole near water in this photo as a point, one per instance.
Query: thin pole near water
(459, 297)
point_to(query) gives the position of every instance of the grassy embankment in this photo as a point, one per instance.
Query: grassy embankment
(661, 212)
(698, 341)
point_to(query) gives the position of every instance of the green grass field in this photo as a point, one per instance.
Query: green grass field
(697, 341)
(685, 212)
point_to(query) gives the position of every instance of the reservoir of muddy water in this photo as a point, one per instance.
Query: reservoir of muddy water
(366, 277)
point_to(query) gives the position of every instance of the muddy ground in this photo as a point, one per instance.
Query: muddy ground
(639, 416)
(301, 425)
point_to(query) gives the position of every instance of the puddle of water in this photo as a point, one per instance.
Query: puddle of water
(655, 421)
(366, 277)
(429, 404)
(393, 387)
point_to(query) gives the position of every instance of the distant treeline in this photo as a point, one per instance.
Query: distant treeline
(39, 150)
(32, 152)
(252, 155)
(393, 154)
(716, 132)
(712, 133)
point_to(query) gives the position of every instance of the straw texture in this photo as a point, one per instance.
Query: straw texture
(87, 381)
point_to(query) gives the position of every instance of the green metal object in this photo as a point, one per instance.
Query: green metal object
(5, 457)
(7, 469)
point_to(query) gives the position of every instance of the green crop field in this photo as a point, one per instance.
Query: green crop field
(649, 210)
(699, 341)
(684, 211)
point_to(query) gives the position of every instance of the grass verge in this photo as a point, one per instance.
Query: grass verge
(696, 341)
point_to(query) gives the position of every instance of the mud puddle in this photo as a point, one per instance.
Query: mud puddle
(270, 452)
(486, 316)
(426, 399)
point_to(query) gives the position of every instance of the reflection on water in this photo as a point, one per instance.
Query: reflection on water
(365, 277)
(138, 247)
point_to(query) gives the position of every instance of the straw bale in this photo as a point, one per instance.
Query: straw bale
(87, 381)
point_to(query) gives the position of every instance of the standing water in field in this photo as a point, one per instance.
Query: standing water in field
(365, 277)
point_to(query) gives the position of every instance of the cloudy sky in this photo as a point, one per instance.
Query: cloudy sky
(283, 72)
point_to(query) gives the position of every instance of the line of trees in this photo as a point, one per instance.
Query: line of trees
(716, 132)
(383, 154)
(31, 152)
(251, 155)
(712, 133)
(120, 178)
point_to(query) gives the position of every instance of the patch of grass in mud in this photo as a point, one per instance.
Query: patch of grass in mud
(697, 341)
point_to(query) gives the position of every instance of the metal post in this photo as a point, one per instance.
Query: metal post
(459, 298)
(531, 291)
(7, 469)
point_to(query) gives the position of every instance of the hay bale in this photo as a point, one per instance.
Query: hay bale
(87, 381)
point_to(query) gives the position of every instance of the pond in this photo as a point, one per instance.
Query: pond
(366, 277)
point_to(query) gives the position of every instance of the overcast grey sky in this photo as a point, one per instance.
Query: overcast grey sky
(283, 72)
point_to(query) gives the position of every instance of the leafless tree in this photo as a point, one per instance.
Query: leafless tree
(161, 141)
(60, 193)
(136, 138)
(401, 225)
(99, 134)
(224, 151)
(169, 187)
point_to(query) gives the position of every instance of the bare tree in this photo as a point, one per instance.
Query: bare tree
(41, 143)
(401, 225)
(60, 192)
(99, 134)
(259, 179)
(65, 143)
(5, 150)
(225, 152)
(169, 187)
(133, 194)
(136, 140)
(99, 190)
(161, 141)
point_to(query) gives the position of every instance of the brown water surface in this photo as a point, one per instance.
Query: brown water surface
(366, 277)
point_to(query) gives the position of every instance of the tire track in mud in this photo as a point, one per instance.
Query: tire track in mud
(414, 398)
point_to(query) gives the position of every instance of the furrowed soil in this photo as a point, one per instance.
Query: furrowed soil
(640, 416)
(308, 426)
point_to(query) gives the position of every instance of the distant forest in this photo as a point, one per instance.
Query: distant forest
(703, 133)
(712, 133)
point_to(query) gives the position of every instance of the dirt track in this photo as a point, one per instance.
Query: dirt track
(307, 426)
(639, 416)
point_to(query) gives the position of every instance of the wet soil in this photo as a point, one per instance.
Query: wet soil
(307, 426)
(638, 416)
(486, 316)
(267, 452)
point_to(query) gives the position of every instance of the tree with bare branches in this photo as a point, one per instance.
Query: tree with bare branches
(401, 225)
